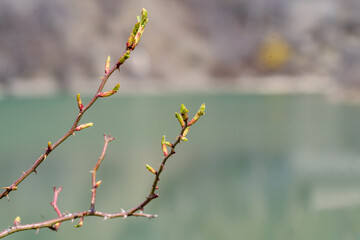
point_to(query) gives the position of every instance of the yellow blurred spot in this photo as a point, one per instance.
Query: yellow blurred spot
(274, 53)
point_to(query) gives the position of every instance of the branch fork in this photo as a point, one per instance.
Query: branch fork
(137, 211)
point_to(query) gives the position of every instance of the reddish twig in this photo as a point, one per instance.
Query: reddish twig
(56, 208)
(95, 184)
(54, 224)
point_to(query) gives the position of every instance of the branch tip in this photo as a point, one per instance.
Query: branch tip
(107, 65)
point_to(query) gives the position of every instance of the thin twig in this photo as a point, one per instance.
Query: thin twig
(54, 224)
(107, 139)
(50, 148)
(67, 217)
(152, 195)
(56, 208)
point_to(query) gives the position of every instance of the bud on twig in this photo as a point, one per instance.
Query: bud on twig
(182, 137)
(17, 221)
(82, 126)
(81, 222)
(199, 113)
(180, 118)
(152, 170)
(79, 102)
(183, 112)
(125, 56)
(109, 93)
(138, 30)
(107, 65)
(50, 146)
(186, 131)
(97, 184)
(163, 146)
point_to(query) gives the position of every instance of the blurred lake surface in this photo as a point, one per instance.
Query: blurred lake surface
(255, 166)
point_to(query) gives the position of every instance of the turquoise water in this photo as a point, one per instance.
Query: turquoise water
(255, 167)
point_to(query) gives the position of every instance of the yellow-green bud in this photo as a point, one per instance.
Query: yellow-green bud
(82, 126)
(183, 112)
(152, 170)
(199, 113)
(109, 93)
(107, 65)
(17, 221)
(79, 102)
(186, 131)
(180, 118)
(163, 146)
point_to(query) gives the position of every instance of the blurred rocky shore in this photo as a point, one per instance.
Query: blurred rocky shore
(50, 47)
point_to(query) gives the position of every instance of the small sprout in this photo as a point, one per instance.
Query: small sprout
(106, 218)
(186, 131)
(81, 222)
(109, 93)
(152, 170)
(138, 30)
(17, 221)
(56, 226)
(169, 144)
(37, 230)
(181, 119)
(107, 65)
(163, 146)
(183, 112)
(125, 56)
(199, 113)
(79, 102)
(97, 184)
(49, 146)
(83, 126)
(183, 138)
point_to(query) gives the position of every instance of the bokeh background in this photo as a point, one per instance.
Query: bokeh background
(275, 157)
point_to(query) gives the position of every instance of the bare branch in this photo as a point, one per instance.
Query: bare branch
(95, 184)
